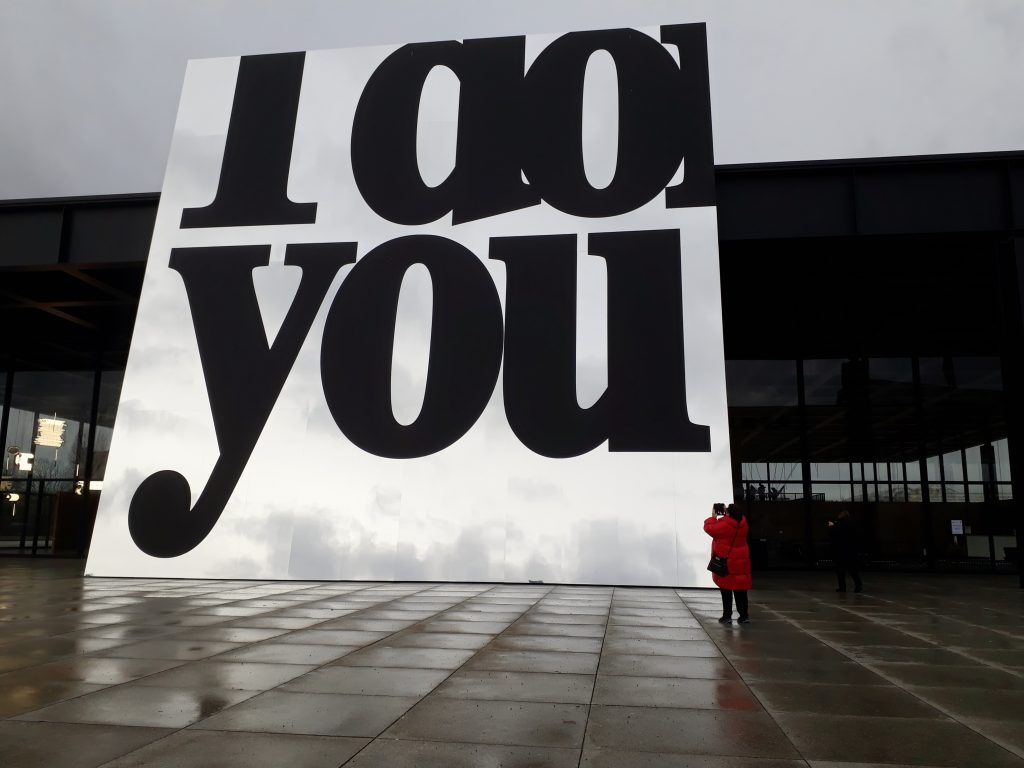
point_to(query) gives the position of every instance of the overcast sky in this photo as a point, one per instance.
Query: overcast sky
(89, 90)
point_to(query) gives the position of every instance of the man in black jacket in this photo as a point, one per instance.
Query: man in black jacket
(844, 551)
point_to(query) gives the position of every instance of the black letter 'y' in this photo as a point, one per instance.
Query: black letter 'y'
(244, 376)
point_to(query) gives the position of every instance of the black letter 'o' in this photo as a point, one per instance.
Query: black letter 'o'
(465, 347)
(651, 116)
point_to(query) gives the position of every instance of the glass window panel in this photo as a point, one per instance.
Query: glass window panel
(883, 492)
(869, 471)
(823, 381)
(973, 456)
(898, 492)
(785, 472)
(785, 491)
(935, 492)
(858, 492)
(830, 471)
(953, 466)
(891, 380)
(936, 373)
(110, 394)
(1002, 460)
(754, 471)
(914, 492)
(856, 471)
(955, 492)
(63, 400)
(1005, 491)
(882, 471)
(831, 492)
(895, 471)
(752, 383)
(975, 493)
(870, 492)
(913, 470)
(978, 373)
(933, 469)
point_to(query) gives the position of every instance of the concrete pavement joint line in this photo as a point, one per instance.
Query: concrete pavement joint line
(597, 671)
(893, 681)
(740, 677)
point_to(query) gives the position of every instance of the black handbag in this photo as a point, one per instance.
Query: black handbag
(720, 565)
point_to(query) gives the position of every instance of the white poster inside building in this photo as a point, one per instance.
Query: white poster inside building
(441, 311)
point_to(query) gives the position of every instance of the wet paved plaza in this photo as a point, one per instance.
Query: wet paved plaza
(917, 670)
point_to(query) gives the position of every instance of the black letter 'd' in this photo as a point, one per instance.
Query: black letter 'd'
(244, 375)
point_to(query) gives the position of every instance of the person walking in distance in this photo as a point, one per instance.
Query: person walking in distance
(728, 530)
(844, 551)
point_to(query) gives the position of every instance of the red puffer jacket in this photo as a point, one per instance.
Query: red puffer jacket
(724, 530)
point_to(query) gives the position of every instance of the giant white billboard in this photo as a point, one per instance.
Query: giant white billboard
(441, 311)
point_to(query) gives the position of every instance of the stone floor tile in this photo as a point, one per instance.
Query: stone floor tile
(464, 615)
(87, 669)
(319, 636)
(535, 661)
(832, 764)
(471, 627)
(240, 675)
(132, 704)
(394, 753)
(1007, 733)
(931, 656)
(359, 624)
(976, 676)
(559, 687)
(229, 634)
(679, 622)
(370, 681)
(982, 703)
(25, 697)
(665, 666)
(127, 633)
(547, 643)
(415, 639)
(517, 723)
(273, 622)
(869, 700)
(562, 630)
(412, 658)
(687, 731)
(683, 693)
(226, 749)
(290, 653)
(320, 714)
(180, 650)
(613, 758)
(893, 740)
(69, 745)
(630, 632)
(703, 648)
(795, 670)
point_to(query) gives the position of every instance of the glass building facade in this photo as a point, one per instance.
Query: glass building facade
(874, 358)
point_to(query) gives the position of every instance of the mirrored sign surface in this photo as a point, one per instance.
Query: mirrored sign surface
(444, 311)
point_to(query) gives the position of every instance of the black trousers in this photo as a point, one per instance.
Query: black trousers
(741, 602)
(848, 566)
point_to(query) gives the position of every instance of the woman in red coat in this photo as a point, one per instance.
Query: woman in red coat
(729, 534)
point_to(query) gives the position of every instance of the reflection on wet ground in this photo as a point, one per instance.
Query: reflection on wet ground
(917, 670)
